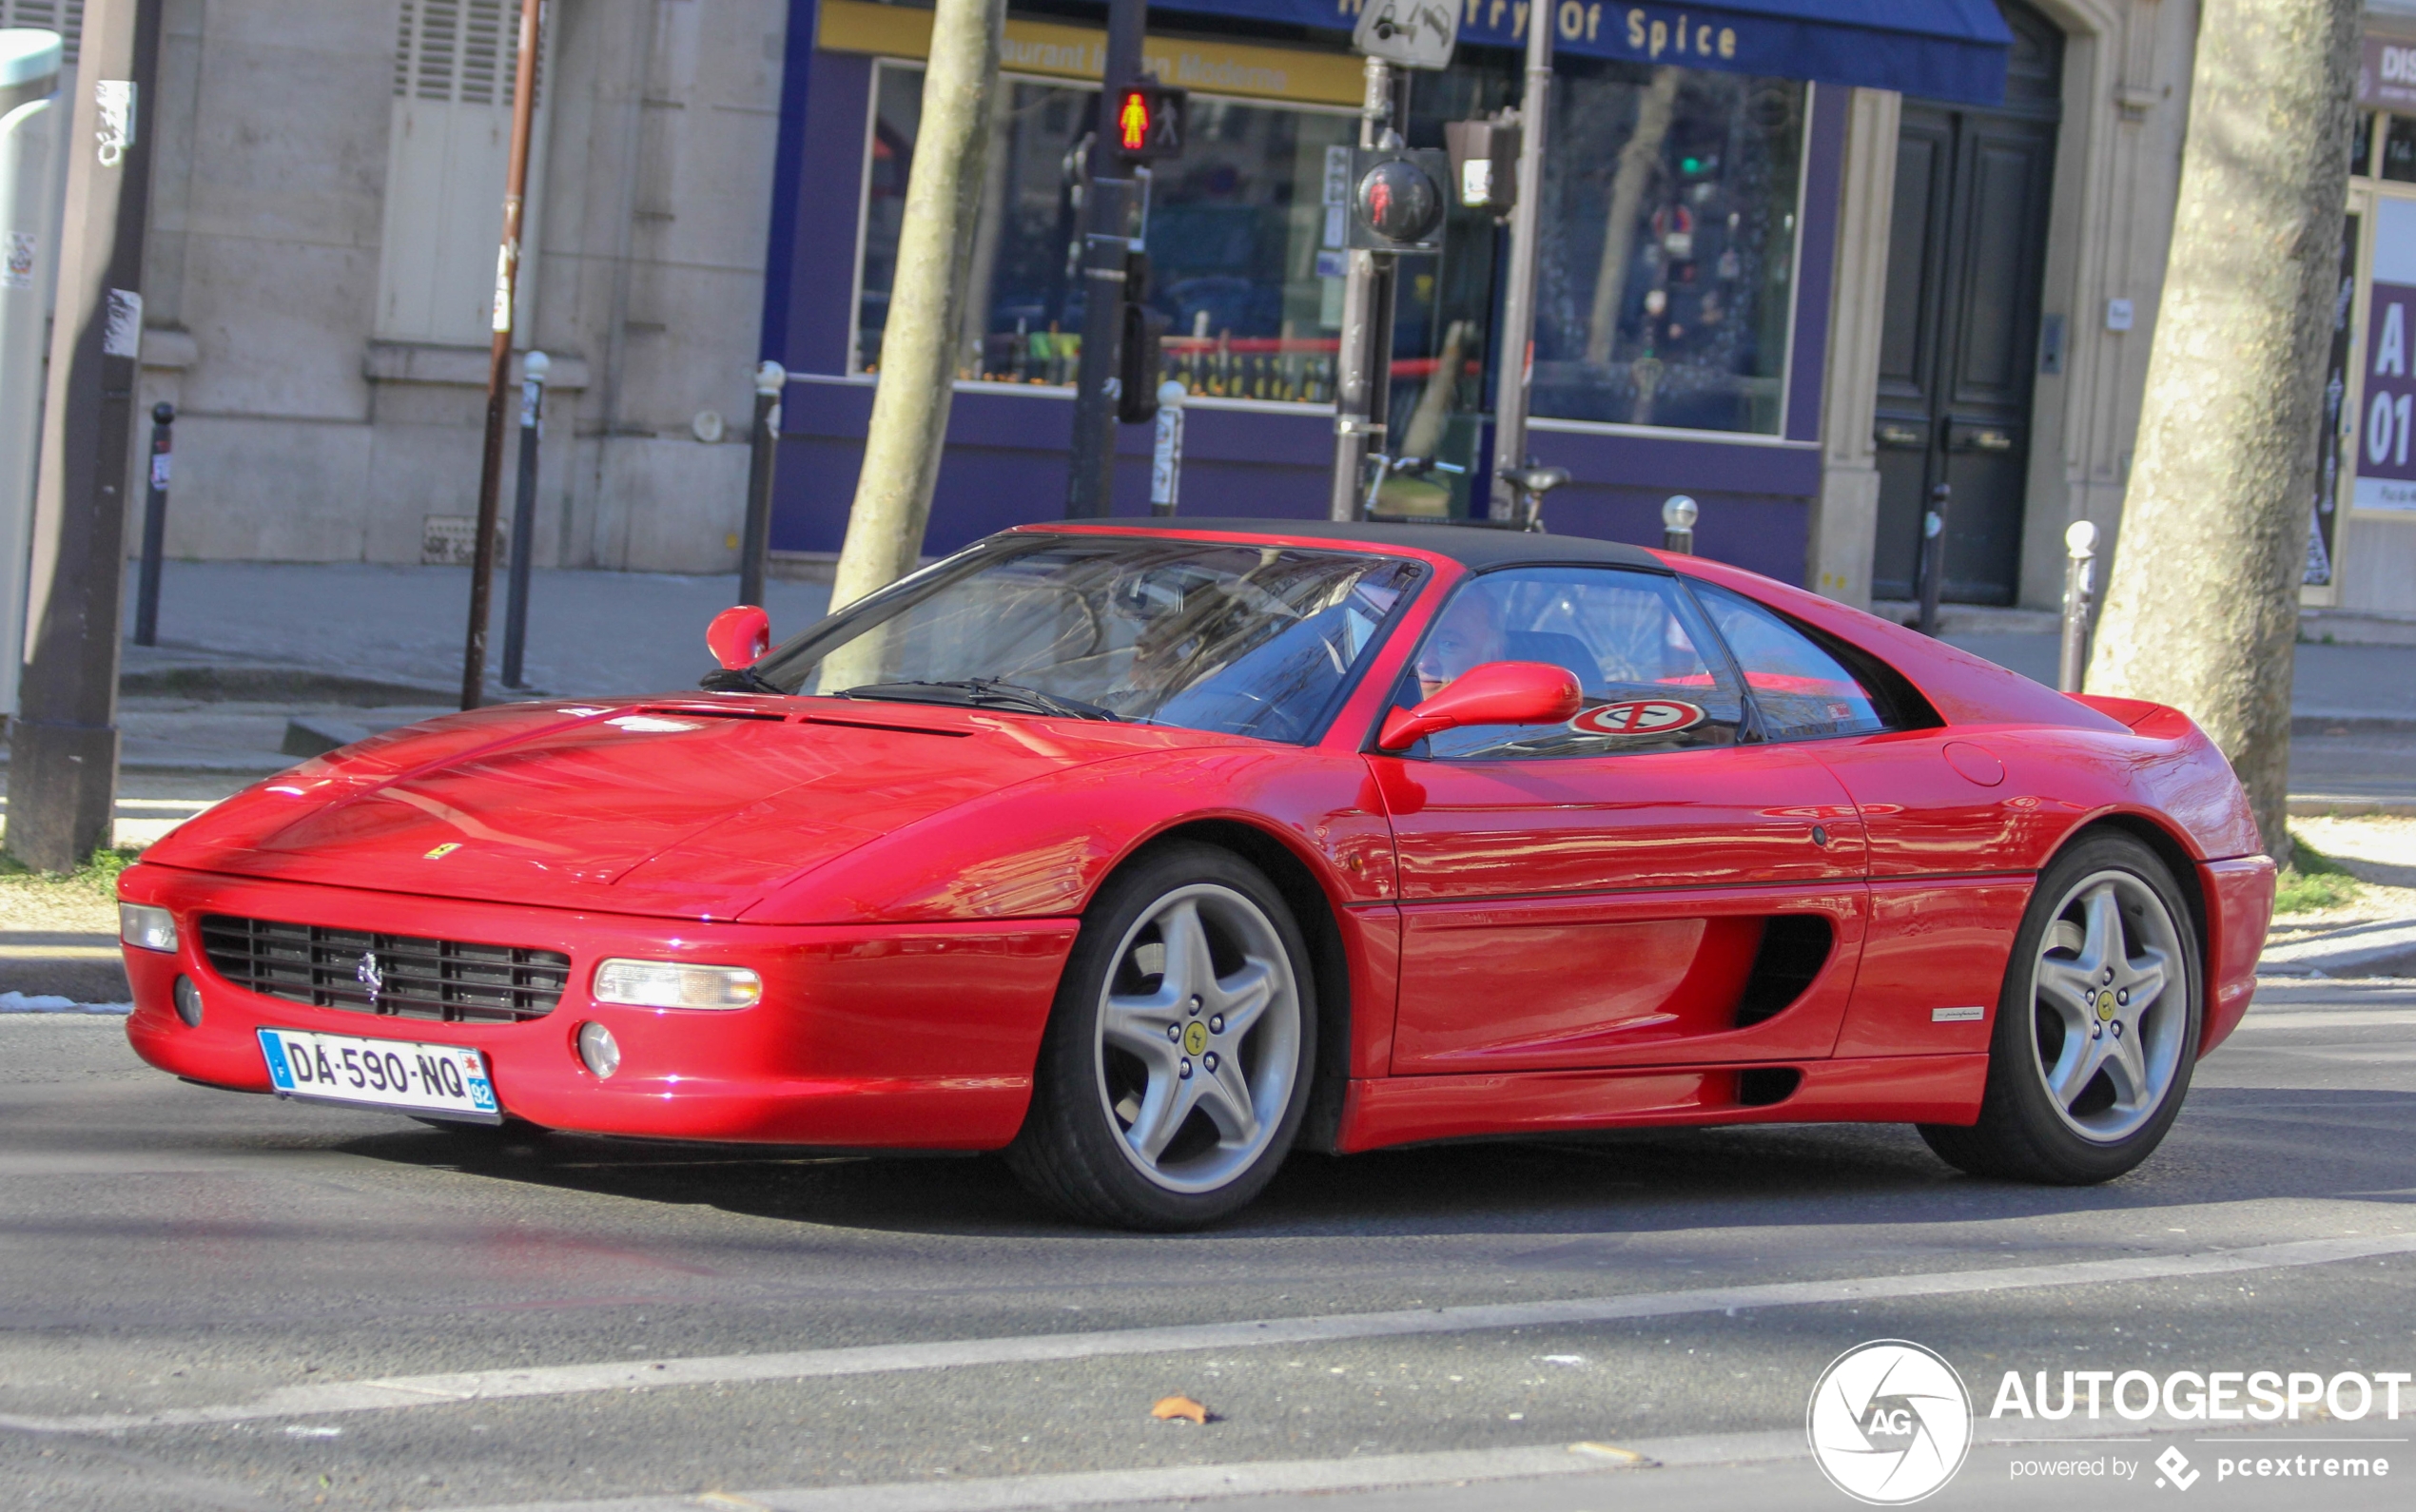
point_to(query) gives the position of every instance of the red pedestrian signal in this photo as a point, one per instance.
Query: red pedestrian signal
(1132, 121)
(1147, 123)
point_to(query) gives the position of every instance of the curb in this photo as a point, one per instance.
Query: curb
(2379, 947)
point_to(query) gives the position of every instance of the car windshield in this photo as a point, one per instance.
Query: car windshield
(1220, 636)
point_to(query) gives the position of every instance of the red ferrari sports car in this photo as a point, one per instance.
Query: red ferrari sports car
(1148, 853)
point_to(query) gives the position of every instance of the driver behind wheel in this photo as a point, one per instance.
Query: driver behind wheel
(1470, 633)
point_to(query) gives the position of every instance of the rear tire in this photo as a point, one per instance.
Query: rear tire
(2097, 1028)
(1174, 1069)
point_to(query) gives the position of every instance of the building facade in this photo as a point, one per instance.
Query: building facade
(1801, 301)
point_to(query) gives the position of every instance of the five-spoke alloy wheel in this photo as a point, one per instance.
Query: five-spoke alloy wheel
(1177, 1060)
(2098, 1028)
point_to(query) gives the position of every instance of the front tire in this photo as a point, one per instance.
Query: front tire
(1174, 1069)
(2097, 1026)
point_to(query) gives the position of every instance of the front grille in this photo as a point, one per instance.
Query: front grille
(448, 980)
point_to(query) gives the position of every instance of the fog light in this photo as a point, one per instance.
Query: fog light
(601, 1051)
(189, 1002)
(669, 984)
(147, 928)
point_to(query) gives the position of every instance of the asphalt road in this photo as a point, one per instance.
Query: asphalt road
(196, 1288)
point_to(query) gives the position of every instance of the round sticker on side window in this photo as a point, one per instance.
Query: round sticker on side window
(1639, 716)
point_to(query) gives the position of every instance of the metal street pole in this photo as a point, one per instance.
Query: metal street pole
(1106, 230)
(2080, 571)
(147, 588)
(534, 369)
(1363, 362)
(771, 379)
(63, 776)
(507, 286)
(1519, 297)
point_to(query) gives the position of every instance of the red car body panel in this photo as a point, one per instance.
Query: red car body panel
(1526, 947)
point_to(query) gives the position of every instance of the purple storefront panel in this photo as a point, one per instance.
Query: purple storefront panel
(1006, 450)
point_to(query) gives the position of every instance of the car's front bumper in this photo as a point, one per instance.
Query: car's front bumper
(900, 1036)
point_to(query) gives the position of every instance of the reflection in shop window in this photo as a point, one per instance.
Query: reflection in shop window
(1243, 254)
(1669, 242)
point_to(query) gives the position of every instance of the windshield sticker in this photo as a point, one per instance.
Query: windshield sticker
(1639, 716)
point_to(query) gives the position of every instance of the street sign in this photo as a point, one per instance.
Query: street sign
(1149, 122)
(1414, 33)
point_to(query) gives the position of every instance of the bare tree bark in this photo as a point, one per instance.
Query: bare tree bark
(2202, 608)
(921, 342)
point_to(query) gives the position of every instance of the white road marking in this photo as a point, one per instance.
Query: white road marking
(1189, 1482)
(1386, 1473)
(488, 1386)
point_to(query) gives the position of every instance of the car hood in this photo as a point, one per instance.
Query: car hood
(688, 808)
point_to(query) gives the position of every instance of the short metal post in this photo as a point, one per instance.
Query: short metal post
(1678, 514)
(146, 590)
(755, 545)
(1166, 461)
(2080, 582)
(1933, 555)
(533, 370)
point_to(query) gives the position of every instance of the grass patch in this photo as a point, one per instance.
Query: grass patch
(96, 879)
(2312, 882)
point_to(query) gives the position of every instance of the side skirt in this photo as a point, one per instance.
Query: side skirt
(1889, 1089)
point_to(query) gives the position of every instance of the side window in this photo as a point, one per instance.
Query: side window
(1633, 639)
(1801, 690)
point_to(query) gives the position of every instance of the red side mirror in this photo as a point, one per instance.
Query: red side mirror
(739, 636)
(1495, 693)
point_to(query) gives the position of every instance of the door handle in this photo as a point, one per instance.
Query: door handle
(1905, 436)
(1990, 441)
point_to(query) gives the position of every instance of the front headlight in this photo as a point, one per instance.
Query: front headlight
(147, 928)
(669, 984)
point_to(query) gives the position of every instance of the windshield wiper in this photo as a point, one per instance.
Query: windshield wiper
(986, 693)
(739, 680)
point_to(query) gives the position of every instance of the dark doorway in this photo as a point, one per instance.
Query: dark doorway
(1961, 336)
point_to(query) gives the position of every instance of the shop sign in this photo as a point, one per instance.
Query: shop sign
(1079, 52)
(2387, 73)
(2385, 448)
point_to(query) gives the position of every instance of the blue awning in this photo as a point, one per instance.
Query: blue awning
(1938, 49)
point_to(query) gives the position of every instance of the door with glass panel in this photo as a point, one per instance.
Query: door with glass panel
(1961, 336)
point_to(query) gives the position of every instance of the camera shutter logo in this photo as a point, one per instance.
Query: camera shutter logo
(1889, 1422)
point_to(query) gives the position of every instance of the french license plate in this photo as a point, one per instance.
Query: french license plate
(447, 1080)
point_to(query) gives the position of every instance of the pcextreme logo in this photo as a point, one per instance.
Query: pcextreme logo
(1889, 1421)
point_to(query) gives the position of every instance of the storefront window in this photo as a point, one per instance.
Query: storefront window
(1663, 292)
(1243, 261)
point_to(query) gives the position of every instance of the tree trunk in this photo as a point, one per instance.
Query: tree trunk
(2202, 608)
(922, 341)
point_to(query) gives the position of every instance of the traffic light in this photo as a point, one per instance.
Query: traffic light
(1140, 360)
(1149, 122)
(1396, 199)
(1483, 165)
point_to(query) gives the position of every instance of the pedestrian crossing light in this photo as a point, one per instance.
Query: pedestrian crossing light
(1149, 123)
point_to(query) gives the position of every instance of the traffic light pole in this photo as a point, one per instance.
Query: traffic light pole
(64, 744)
(1106, 232)
(1363, 365)
(1513, 371)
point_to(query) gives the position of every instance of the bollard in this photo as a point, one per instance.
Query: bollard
(1678, 515)
(1166, 461)
(533, 369)
(146, 590)
(2080, 573)
(755, 544)
(1933, 557)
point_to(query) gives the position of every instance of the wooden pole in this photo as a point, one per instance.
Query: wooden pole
(507, 286)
